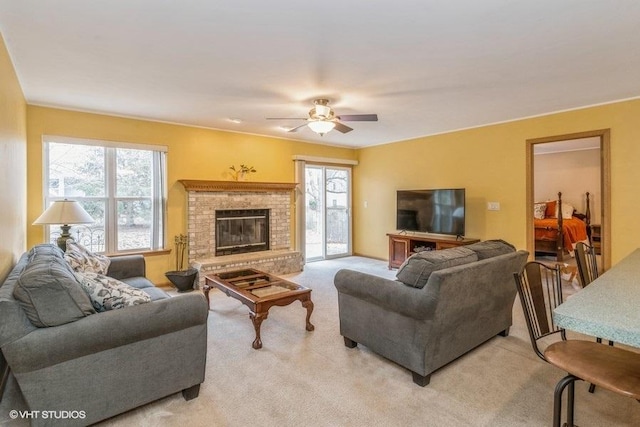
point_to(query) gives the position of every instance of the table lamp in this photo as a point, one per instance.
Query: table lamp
(64, 212)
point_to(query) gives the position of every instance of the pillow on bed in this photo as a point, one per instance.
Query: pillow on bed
(539, 210)
(567, 211)
(550, 212)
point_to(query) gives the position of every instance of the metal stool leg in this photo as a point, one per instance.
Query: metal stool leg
(570, 402)
(557, 400)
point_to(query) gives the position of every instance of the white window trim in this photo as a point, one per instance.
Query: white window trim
(324, 160)
(103, 143)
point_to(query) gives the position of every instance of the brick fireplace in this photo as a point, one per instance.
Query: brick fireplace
(209, 202)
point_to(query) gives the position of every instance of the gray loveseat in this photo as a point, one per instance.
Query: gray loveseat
(449, 302)
(100, 364)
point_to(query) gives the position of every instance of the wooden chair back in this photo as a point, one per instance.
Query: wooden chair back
(586, 262)
(540, 291)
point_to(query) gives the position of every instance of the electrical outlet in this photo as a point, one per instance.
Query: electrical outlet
(493, 206)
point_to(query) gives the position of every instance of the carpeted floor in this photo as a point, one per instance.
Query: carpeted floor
(302, 378)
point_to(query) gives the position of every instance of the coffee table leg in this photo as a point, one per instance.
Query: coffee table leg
(308, 304)
(257, 322)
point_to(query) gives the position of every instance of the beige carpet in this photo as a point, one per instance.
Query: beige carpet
(302, 378)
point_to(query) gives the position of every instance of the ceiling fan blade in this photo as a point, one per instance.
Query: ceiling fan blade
(286, 118)
(340, 127)
(358, 117)
(295, 129)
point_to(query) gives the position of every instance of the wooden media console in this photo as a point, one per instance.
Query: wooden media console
(402, 246)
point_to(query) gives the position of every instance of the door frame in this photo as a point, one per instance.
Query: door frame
(605, 186)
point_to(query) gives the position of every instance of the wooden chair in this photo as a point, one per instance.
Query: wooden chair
(615, 369)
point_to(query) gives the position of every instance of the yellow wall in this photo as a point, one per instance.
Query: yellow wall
(13, 165)
(194, 153)
(490, 162)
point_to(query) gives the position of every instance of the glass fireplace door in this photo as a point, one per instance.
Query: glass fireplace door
(327, 212)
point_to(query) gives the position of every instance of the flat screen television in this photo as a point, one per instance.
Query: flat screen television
(438, 211)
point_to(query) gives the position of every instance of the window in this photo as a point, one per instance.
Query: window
(122, 186)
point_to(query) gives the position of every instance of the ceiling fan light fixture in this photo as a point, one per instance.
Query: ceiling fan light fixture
(323, 119)
(322, 111)
(321, 126)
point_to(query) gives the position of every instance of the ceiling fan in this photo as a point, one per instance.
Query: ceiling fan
(323, 119)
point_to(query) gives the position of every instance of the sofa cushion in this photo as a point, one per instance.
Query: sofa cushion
(147, 287)
(14, 323)
(491, 248)
(48, 291)
(107, 293)
(83, 260)
(416, 269)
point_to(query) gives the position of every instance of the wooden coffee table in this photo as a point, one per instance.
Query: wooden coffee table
(259, 291)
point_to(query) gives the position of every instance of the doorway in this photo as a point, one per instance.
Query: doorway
(603, 211)
(327, 212)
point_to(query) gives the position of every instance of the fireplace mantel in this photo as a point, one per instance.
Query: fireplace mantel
(226, 186)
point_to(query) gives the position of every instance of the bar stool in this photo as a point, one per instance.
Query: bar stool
(540, 291)
(587, 263)
(612, 368)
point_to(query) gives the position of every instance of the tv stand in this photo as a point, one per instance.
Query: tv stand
(402, 246)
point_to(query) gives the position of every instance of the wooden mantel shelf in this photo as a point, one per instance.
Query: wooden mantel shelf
(211, 186)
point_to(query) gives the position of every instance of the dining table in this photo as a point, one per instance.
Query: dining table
(609, 307)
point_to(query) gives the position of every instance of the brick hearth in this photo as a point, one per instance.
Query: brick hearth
(205, 197)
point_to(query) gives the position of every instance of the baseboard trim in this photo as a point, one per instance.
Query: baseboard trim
(371, 257)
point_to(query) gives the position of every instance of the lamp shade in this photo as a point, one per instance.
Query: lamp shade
(321, 126)
(64, 212)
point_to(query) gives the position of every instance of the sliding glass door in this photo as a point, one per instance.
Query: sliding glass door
(327, 212)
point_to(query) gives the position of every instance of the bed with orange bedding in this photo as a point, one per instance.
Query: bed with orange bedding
(557, 233)
(574, 230)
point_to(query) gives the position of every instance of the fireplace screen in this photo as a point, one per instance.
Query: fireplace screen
(242, 230)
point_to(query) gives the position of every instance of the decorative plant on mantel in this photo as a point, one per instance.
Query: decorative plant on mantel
(242, 172)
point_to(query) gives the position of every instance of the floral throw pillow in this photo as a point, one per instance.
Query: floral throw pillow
(539, 210)
(84, 261)
(107, 293)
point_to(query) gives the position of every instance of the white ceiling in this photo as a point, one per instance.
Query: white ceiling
(424, 66)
